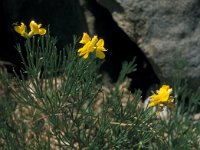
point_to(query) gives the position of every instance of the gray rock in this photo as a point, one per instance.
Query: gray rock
(167, 31)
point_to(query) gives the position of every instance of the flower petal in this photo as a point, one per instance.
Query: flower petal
(42, 31)
(20, 29)
(101, 49)
(86, 56)
(31, 33)
(39, 25)
(100, 54)
(94, 40)
(85, 39)
(100, 43)
(34, 27)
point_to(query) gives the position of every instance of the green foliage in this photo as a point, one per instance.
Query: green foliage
(58, 101)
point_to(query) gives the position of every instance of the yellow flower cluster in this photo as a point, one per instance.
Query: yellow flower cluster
(91, 45)
(162, 98)
(35, 29)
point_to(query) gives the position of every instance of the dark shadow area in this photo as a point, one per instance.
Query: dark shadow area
(65, 17)
(120, 49)
(8, 55)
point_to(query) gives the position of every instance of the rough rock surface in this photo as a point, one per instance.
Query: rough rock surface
(167, 31)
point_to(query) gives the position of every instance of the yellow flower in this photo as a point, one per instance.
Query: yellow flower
(162, 98)
(35, 29)
(100, 48)
(90, 45)
(21, 30)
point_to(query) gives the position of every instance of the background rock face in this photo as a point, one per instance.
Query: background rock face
(167, 31)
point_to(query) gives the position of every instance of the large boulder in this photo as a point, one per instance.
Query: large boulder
(168, 32)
